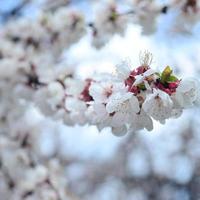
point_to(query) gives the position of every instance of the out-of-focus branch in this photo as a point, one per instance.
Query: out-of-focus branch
(14, 12)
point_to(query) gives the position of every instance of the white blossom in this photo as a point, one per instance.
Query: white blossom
(121, 106)
(158, 105)
(108, 24)
(187, 93)
(101, 91)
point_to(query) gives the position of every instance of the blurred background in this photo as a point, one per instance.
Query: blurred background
(163, 164)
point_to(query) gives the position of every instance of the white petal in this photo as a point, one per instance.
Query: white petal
(134, 103)
(141, 121)
(158, 105)
(118, 119)
(123, 70)
(116, 101)
(73, 104)
(176, 113)
(149, 72)
(147, 86)
(119, 131)
(96, 91)
(140, 78)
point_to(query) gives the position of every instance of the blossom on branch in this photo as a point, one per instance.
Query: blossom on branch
(128, 100)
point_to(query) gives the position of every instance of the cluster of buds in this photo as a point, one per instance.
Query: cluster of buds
(128, 101)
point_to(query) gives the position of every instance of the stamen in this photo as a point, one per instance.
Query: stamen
(146, 58)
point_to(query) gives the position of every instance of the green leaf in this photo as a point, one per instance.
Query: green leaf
(172, 78)
(141, 86)
(166, 74)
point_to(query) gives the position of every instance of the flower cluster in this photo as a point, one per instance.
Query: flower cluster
(60, 29)
(55, 31)
(32, 71)
(128, 101)
(29, 179)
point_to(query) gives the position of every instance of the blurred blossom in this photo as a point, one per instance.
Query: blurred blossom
(69, 53)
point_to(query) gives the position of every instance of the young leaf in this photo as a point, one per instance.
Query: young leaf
(166, 74)
(141, 86)
(172, 78)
